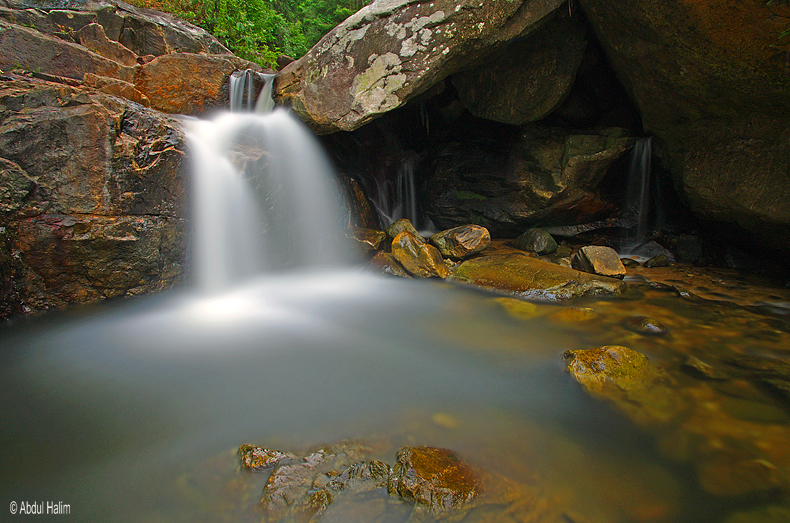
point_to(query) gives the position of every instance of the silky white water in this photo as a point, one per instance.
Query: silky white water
(132, 411)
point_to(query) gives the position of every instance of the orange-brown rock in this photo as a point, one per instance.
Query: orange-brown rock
(461, 242)
(597, 259)
(532, 278)
(386, 263)
(186, 83)
(419, 258)
(93, 196)
(435, 479)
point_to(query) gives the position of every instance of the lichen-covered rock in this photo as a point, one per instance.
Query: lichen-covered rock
(94, 196)
(527, 78)
(461, 242)
(419, 258)
(597, 259)
(546, 176)
(434, 479)
(389, 52)
(537, 241)
(532, 278)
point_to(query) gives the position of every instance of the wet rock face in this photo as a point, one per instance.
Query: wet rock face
(435, 479)
(545, 176)
(388, 52)
(419, 258)
(725, 125)
(532, 278)
(256, 459)
(147, 57)
(527, 78)
(600, 260)
(537, 241)
(92, 199)
(461, 242)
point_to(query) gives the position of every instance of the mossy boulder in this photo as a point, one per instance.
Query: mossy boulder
(532, 278)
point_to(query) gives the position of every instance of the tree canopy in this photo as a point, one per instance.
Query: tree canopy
(260, 30)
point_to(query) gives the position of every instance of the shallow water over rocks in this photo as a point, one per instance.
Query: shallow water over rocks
(137, 410)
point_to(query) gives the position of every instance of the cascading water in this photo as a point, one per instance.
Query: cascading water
(263, 198)
(241, 88)
(638, 195)
(396, 199)
(150, 398)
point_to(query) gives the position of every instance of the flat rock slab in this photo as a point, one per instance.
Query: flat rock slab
(533, 278)
(599, 260)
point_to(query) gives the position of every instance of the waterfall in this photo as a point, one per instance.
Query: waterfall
(263, 198)
(638, 197)
(241, 88)
(396, 199)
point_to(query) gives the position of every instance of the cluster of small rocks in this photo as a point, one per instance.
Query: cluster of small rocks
(402, 251)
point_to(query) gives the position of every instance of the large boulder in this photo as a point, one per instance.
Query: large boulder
(391, 51)
(528, 78)
(546, 177)
(710, 79)
(93, 196)
(528, 277)
(145, 56)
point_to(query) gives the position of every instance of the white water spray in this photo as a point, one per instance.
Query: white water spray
(263, 199)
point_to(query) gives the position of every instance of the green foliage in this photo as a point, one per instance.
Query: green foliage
(260, 30)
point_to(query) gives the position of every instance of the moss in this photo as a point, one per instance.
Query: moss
(468, 195)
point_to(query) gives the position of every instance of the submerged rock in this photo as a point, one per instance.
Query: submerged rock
(532, 278)
(435, 479)
(702, 370)
(599, 260)
(257, 458)
(419, 258)
(645, 325)
(627, 379)
(461, 242)
(537, 241)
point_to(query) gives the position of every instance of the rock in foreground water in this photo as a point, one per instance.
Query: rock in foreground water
(434, 479)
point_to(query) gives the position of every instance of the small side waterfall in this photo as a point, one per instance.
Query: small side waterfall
(638, 194)
(263, 198)
(241, 87)
(396, 199)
